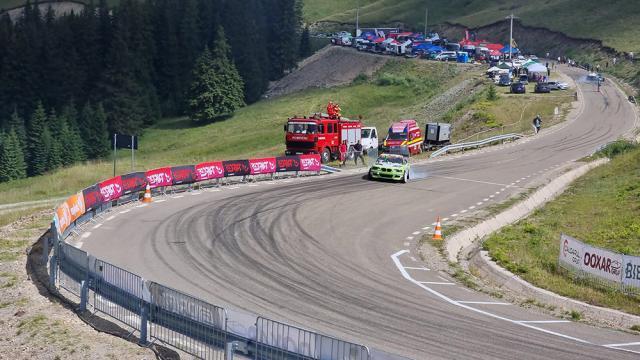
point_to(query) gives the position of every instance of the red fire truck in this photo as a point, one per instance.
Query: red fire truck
(321, 133)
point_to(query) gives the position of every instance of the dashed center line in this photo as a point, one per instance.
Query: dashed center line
(97, 226)
(484, 302)
(463, 211)
(479, 203)
(125, 211)
(86, 235)
(426, 228)
(111, 217)
(472, 207)
(409, 237)
(416, 232)
(454, 215)
(161, 200)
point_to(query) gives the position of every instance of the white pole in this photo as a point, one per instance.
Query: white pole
(426, 17)
(511, 39)
(357, 18)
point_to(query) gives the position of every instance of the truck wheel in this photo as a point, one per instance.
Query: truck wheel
(326, 156)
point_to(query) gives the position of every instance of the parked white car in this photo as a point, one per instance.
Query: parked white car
(369, 138)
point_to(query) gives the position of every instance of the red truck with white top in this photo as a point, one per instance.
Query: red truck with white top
(404, 138)
(321, 133)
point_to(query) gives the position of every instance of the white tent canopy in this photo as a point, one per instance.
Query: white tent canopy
(537, 68)
(493, 69)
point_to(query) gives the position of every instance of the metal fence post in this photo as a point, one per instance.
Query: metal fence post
(144, 312)
(84, 294)
(52, 270)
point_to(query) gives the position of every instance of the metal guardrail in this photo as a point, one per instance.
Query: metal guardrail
(162, 314)
(475, 144)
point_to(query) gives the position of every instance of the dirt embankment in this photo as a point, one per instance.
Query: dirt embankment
(533, 39)
(331, 66)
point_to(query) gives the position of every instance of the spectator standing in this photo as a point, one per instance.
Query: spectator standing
(537, 123)
(343, 153)
(358, 153)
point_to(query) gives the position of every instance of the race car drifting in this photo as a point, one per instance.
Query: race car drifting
(390, 167)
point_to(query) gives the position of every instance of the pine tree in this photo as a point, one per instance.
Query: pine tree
(305, 43)
(12, 165)
(217, 86)
(94, 131)
(54, 151)
(37, 149)
(17, 124)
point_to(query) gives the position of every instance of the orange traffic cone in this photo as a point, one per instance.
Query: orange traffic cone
(147, 195)
(437, 235)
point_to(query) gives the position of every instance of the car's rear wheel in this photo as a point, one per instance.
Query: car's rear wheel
(405, 177)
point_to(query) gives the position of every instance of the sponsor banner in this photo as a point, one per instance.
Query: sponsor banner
(133, 182)
(571, 251)
(64, 217)
(92, 197)
(236, 168)
(111, 189)
(602, 263)
(287, 163)
(159, 177)
(310, 162)
(183, 174)
(631, 271)
(209, 170)
(262, 166)
(75, 203)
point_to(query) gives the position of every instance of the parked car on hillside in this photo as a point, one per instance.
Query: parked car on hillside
(518, 88)
(447, 56)
(524, 79)
(542, 88)
(505, 80)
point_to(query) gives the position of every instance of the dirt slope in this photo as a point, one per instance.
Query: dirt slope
(331, 66)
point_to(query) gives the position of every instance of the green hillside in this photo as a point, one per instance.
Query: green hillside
(616, 23)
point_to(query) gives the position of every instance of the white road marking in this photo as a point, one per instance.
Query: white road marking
(445, 219)
(415, 233)
(416, 268)
(111, 217)
(503, 189)
(86, 235)
(79, 244)
(96, 226)
(472, 207)
(443, 279)
(426, 228)
(142, 205)
(485, 199)
(194, 193)
(434, 224)
(436, 282)
(491, 196)
(125, 211)
(463, 211)
(161, 200)
(523, 178)
(484, 302)
(623, 349)
(177, 196)
(479, 203)
(408, 277)
(409, 237)
(517, 181)
(253, 185)
(543, 321)
(213, 190)
(413, 258)
(625, 344)
(512, 184)
(470, 180)
(454, 215)
(233, 187)
(407, 243)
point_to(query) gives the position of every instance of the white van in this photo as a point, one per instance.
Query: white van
(369, 138)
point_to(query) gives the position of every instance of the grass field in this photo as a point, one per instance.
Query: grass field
(617, 23)
(602, 208)
(398, 90)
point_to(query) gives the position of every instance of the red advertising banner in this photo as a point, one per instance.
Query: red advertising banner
(287, 163)
(75, 203)
(133, 182)
(183, 174)
(92, 197)
(236, 168)
(111, 189)
(159, 177)
(209, 170)
(64, 217)
(310, 162)
(262, 166)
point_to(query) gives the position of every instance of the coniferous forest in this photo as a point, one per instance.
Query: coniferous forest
(68, 82)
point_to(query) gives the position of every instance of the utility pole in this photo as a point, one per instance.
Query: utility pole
(511, 17)
(357, 18)
(426, 17)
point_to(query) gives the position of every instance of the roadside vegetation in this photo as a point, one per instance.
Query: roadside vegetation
(397, 90)
(601, 208)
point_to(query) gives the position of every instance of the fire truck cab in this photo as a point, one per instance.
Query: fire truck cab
(321, 134)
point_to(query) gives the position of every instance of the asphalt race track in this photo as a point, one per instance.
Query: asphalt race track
(336, 253)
